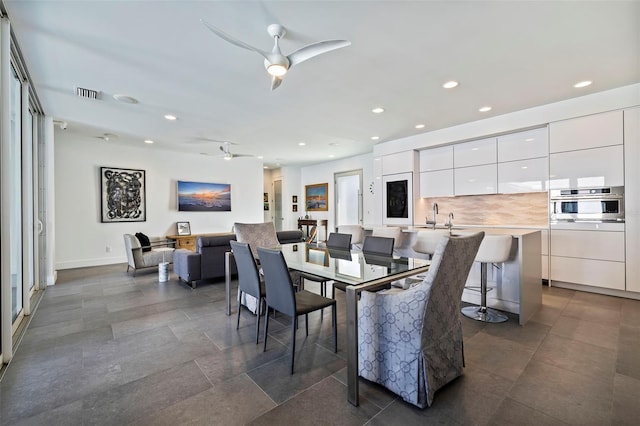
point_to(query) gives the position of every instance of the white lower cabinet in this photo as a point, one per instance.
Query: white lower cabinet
(593, 258)
(476, 180)
(436, 184)
(596, 273)
(544, 251)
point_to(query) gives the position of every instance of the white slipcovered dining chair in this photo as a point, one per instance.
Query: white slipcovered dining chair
(411, 341)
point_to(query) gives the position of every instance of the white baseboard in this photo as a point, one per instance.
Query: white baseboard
(84, 263)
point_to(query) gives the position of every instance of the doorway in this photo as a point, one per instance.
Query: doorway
(278, 219)
(348, 190)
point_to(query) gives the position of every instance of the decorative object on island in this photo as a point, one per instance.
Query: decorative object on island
(204, 197)
(265, 200)
(184, 228)
(123, 197)
(316, 197)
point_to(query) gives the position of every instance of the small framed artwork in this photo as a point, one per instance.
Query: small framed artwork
(123, 195)
(294, 199)
(316, 197)
(294, 208)
(265, 201)
(184, 228)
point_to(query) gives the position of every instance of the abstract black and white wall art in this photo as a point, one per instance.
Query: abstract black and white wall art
(123, 195)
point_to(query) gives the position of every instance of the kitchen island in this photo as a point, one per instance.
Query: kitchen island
(517, 283)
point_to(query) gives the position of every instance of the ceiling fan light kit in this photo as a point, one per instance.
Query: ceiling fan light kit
(275, 62)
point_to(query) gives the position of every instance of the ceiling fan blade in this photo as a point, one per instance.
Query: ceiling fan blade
(234, 40)
(315, 49)
(275, 82)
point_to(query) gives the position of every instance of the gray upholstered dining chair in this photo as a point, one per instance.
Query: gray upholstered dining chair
(249, 281)
(338, 241)
(281, 297)
(376, 246)
(411, 341)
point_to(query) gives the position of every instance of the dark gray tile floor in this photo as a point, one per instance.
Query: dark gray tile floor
(107, 348)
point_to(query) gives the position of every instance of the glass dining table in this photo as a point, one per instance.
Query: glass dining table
(362, 272)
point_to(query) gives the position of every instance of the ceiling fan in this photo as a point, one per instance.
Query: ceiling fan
(226, 152)
(275, 62)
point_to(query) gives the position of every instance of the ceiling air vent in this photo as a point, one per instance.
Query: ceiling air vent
(87, 93)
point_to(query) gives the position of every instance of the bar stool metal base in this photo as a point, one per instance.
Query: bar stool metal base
(484, 314)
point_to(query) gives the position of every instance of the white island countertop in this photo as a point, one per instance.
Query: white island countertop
(496, 230)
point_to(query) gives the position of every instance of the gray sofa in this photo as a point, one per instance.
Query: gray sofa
(207, 262)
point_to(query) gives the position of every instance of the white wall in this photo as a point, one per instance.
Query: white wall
(82, 240)
(321, 173)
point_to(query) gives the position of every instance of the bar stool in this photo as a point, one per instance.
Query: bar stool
(493, 249)
(427, 241)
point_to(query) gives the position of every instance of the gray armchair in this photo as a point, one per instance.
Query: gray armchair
(161, 251)
(411, 341)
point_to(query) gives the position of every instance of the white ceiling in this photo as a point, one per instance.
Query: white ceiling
(510, 55)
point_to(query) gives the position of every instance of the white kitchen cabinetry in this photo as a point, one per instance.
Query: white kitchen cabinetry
(437, 183)
(588, 257)
(587, 168)
(436, 158)
(591, 131)
(632, 196)
(476, 180)
(523, 176)
(475, 153)
(400, 162)
(523, 145)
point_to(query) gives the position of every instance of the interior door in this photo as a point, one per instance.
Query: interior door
(348, 190)
(278, 219)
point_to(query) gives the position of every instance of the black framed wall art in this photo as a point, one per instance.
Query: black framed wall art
(123, 195)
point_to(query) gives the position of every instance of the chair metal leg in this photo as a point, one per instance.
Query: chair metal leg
(238, 316)
(335, 327)
(258, 319)
(306, 323)
(266, 327)
(293, 343)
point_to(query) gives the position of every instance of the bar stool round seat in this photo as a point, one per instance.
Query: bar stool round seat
(427, 241)
(493, 249)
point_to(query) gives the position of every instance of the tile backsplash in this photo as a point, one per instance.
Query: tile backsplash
(528, 209)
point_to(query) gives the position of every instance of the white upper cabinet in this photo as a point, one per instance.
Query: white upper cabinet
(438, 183)
(523, 145)
(476, 180)
(400, 162)
(592, 131)
(587, 168)
(523, 176)
(475, 153)
(632, 196)
(436, 158)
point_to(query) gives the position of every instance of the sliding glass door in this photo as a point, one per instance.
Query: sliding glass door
(15, 207)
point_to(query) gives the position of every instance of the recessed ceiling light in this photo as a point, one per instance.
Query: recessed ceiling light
(529, 140)
(260, 157)
(170, 117)
(377, 110)
(265, 167)
(148, 141)
(450, 84)
(582, 84)
(301, 144)
(485, 109)
(375, 138)
(524, 167)
(331, 155)
(125, 98)
(419, 126)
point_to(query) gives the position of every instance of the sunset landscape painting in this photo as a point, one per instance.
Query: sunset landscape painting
(204, 197)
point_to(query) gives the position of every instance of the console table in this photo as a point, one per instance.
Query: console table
(312, 222)
(189, 241)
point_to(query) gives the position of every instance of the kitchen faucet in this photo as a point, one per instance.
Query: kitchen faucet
(449, 224)
(435, 214)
